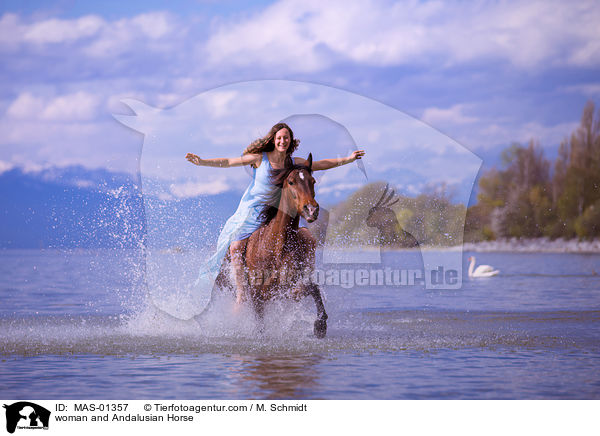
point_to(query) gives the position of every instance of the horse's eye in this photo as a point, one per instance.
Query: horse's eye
(290, 183)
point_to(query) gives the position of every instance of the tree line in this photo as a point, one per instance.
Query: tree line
(530, 196)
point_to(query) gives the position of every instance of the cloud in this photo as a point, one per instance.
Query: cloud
(523, 133)
(155, 25)
(457, 64)
(78, 106)
(26, 106)
(276, 37)
(489, 133)
(587, 89)
(304, 36)
(59, 31)
(93, 144)
(194, 189)
(91, 35)
(10, 31)
(488, 130)
(5, 166)
(71, 107)
(453, 115)
(221, 103)
(338, 187)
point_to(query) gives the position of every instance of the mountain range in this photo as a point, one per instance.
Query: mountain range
(76, 207)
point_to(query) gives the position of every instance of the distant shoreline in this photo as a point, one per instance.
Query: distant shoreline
(535, 245)
(524, 245)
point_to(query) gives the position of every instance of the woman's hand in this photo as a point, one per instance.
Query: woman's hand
(225, 162)
(193, 158)
(326, 164)
(356, 155)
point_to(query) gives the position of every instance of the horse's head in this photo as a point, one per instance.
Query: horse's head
(381, 215)
(299, 186)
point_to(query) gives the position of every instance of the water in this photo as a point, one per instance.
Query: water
(78, 324)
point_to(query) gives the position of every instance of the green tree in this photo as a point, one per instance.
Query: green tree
(588, 224)
(518, 196)
(522, 200)
(576, 183)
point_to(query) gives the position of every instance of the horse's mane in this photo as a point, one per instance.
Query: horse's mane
(271, 202)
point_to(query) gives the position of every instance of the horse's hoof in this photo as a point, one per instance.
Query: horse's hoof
(320, 328)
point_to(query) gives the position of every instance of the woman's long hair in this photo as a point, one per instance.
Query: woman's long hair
(267, 142)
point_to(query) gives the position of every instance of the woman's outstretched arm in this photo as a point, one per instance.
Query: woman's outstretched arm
(326, 164)
(225, 162)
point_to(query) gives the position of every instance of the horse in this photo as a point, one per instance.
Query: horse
(280, 256)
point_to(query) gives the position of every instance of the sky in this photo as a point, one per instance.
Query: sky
(483, 73)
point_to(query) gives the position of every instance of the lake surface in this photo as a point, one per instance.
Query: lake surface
(81, 324)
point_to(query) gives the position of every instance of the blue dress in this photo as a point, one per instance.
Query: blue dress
(239, 226)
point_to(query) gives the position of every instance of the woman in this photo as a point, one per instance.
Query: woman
(264, 154)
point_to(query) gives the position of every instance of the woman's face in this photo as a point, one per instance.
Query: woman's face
(282, 140)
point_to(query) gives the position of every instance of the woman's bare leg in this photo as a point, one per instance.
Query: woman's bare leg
(236, 249)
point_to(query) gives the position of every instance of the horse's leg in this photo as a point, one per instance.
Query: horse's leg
(309, 245)
(320, 328)
(222, 281)
(259, 309)
(236, 250)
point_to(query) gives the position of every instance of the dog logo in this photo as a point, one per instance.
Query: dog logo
(25, 415)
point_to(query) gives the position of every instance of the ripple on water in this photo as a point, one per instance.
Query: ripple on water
(288, 329)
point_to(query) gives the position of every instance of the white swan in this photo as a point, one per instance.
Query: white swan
(482, 270)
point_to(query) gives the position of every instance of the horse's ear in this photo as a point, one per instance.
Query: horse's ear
(309, 161)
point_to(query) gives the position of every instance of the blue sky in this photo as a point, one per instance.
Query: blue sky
(485, 73)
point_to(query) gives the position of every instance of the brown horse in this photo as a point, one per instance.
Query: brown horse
(280, 255)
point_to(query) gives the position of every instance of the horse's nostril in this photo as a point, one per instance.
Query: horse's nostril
(311, 211)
